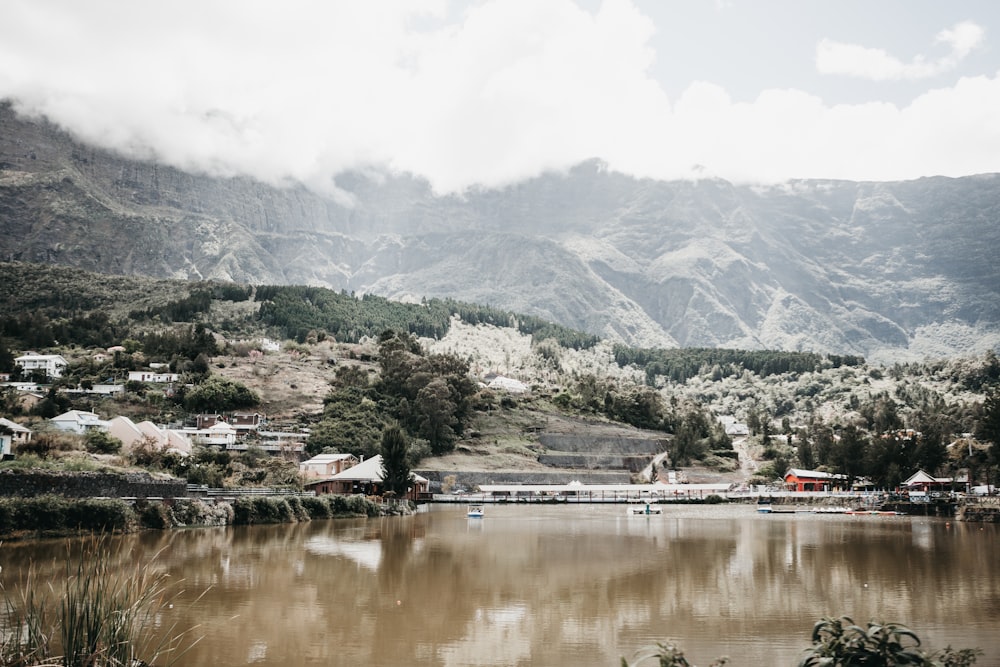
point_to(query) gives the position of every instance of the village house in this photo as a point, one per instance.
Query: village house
(27, 400)
(219, 434)
(323, 466)
(920, 484)
(733, 427)
(79, 421)
(204, 421)
(814, 480)
(132, 434)
(282, 441)
(97, 390)
(152, 376)
(364, 478)
(12, 434)
(246, 422)
(52, 365)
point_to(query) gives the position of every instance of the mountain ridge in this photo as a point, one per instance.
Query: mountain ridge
(886, 270)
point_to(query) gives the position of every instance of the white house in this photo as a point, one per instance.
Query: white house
(12, 433)
(131, 434)
(510, 385)
(733, 427)
(6, 441)
(78, 421)
(219, 434)
(327, 465)
(152, 376)
(52, 365)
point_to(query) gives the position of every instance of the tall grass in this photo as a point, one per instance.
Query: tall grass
(100, 615)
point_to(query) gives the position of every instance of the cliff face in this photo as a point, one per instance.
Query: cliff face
(871, 268)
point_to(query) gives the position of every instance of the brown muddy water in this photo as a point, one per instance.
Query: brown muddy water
(557, 586)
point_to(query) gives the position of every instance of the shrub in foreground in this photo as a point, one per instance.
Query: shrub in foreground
(356, 505)
(250, 510)
(56, 514)
(839, 642)
(316, 507)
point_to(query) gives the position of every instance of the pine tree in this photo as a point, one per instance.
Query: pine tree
(395, 460)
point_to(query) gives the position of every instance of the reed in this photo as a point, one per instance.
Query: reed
(102, 614)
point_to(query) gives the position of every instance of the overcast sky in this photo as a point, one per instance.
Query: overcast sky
(491, 92)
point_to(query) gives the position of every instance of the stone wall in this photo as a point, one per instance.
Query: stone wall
(601, 444)
(470, 480)
(30, 483)
(594, 461)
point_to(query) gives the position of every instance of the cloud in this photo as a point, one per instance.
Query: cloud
(834, 57)
(499, 91)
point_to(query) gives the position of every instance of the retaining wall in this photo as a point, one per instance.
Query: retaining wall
(595, 461)
(31, 483)
(470, 480)
(601, 444)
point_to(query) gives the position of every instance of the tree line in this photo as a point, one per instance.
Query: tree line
(682, 364)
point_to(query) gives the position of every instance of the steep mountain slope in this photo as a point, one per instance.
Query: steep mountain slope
(881, 269)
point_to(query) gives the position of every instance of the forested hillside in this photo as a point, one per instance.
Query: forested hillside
(349, 365)
(52, 304)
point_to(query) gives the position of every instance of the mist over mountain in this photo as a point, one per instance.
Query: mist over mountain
(888, 270)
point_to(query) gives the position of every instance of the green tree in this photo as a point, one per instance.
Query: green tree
(351, 424)
(804, 451)
(988, 425)
(848, 454)
(988, 430)
(351, 376)
(931, 451)
(218, 394)
(395, 447)
(435, 413)
(885, 456)
(102, 442)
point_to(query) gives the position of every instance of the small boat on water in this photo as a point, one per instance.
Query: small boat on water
(641, 510)
(474, 512)
(768, 509)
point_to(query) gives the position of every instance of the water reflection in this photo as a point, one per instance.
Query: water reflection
(562, 585)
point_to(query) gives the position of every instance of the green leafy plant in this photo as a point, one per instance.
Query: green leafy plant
(665, 654)
(839, 642)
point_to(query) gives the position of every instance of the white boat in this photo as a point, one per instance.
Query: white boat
(474, 512)
(831, 510)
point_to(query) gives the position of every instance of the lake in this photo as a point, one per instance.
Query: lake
(558, 585)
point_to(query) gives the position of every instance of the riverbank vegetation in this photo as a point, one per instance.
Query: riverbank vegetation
(51, 515)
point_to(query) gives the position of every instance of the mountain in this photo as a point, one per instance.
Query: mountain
(887, 270)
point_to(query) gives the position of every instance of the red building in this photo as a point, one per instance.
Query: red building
(814, 480)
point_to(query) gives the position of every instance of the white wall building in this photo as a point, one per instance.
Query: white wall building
(52, 365)
(152, 376)
(12, 433)
(132, 434)
(322, 466)
(78, 421)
